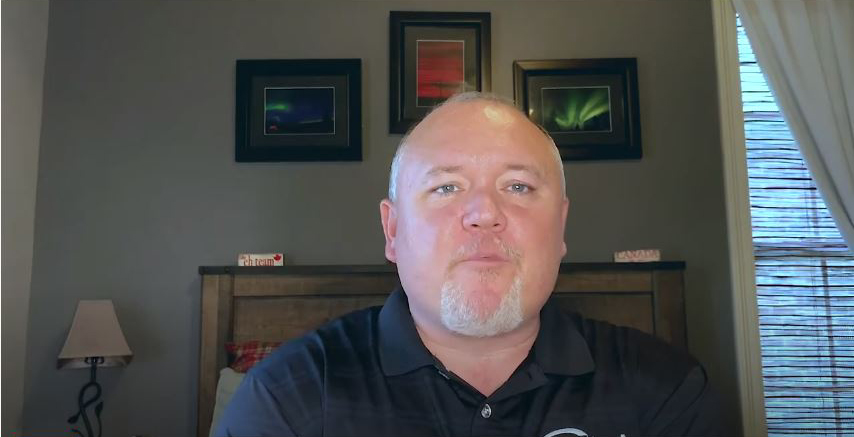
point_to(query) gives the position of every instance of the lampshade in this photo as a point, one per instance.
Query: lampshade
(95, 332)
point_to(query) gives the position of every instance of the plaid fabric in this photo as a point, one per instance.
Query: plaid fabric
(246, 354)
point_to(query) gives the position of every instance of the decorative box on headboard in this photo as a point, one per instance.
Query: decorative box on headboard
(280, 303)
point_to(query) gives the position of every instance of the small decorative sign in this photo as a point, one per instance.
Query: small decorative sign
(637, 256)
(261, 259)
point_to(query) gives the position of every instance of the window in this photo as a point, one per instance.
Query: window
(804, 276)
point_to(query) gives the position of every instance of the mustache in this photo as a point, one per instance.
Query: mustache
(486, 244)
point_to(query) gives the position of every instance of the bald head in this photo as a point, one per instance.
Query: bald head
(486, 112)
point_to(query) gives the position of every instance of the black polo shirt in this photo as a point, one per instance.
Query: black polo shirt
(369, 374)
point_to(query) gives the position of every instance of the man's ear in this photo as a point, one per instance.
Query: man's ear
(388, 216)
(563, 215)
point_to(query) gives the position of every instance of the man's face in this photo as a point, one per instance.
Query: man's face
(477, 226)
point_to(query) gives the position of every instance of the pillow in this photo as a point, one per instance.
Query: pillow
(246, 354)
(229, 380)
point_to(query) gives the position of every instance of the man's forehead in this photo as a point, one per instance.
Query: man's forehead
(436, 154)
(475, 137)
(478, 121)
(430, 169)
(470, 116)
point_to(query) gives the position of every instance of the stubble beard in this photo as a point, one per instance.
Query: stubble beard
(459, 315)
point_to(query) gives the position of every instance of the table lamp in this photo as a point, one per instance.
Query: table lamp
(94, 340)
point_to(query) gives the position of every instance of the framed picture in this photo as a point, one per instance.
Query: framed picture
(299, 110)
(434, 55)
(589, 106)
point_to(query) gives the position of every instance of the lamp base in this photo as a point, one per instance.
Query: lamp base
(83, 403)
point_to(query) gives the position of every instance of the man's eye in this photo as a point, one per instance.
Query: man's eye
(520, 188)
(446, 189)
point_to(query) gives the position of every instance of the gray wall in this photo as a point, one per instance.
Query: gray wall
(138, 184)
(24, 42)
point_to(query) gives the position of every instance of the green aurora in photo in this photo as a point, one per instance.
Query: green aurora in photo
(299, 110)
(577, 109)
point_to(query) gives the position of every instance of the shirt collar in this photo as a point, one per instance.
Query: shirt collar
(559, 348)
(401, 348)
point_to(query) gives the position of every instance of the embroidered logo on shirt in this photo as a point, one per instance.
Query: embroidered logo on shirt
(567, 431)
(570, 432)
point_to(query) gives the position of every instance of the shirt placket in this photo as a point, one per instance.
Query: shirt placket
(482, 422)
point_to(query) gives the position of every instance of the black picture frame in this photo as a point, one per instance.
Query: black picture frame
(589, 106)
(434, 39)
(298, 110)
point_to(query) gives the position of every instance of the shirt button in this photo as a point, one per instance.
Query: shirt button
(486, 411)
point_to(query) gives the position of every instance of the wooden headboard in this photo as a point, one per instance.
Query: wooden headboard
(281, 303)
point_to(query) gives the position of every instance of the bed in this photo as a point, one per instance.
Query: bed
(280, 303)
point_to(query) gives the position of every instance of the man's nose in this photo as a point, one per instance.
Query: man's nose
(483, 212)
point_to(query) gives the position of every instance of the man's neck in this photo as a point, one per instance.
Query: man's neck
(484, 363)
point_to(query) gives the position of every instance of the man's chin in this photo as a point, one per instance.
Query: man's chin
(481, 298)
(483, 302)
(480, 311)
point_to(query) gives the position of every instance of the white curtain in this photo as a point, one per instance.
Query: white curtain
(806, 49)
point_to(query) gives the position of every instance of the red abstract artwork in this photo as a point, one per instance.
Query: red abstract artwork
(440, 69)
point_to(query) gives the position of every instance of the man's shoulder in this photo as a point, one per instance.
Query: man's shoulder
(670, 388)
(346, 339)
(633, 352)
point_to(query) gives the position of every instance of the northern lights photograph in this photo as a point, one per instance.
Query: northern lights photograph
(589, 106)
(298, 110)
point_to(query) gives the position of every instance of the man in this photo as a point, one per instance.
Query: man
(469, 346)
